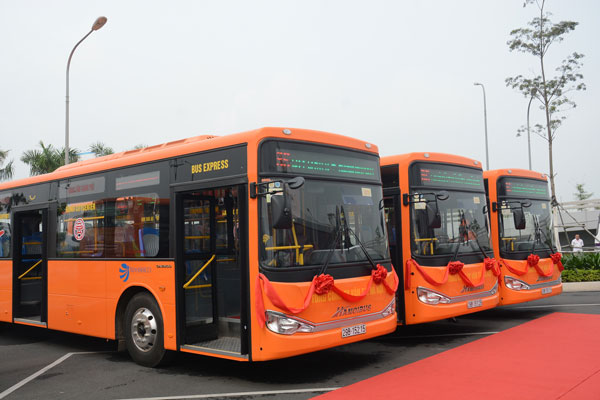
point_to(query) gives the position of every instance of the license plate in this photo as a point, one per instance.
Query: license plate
(354, 330)
(474, 303)
(546, 290)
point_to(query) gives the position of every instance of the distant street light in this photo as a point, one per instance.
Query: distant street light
(99, 23)
(487, 157)
(533, 92)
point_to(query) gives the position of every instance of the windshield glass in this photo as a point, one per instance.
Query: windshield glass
(537, 235)
(462, 223)
(320, 211)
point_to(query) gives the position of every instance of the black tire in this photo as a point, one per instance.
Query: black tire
(144, 332)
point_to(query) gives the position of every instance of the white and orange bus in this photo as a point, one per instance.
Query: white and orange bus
(253, 246)
(521, 225)
(438, 228)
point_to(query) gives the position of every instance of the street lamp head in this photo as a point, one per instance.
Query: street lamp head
(477, 84)
(99, 23)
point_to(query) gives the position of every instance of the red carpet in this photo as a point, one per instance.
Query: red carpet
(553, 357)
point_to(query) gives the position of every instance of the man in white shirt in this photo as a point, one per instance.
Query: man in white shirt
(577, 244)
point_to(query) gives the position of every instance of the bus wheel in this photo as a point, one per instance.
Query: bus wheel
(144, 335)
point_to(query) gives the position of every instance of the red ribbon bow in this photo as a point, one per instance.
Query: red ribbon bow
(533, 260)
(556, 259)
(379, 274)
(454, 267)
(323, 284)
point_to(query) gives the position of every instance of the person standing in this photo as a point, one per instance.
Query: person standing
(577, 245)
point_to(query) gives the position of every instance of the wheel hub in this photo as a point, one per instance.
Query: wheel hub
(143, 329)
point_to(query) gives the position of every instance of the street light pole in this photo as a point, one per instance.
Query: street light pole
(528, 133)
(99, 23)
(487, 157)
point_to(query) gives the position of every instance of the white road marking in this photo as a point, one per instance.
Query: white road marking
(238, 394)
(41, 371)
(560, 305)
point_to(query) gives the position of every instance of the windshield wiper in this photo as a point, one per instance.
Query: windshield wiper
(469, 229)
(343, 229)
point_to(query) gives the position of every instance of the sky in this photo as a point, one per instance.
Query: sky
(398, 74)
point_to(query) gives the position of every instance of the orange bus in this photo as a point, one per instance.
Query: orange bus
(438, 229)
(253, 246)
(521, 226)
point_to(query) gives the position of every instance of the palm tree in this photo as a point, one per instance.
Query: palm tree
(7, 171)
(47, 159)
(100, 149)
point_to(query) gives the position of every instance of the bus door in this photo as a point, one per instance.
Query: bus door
(393, 205)
(30, 266)
(209, 261)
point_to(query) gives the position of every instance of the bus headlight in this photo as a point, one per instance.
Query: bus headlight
(285, 325)
(515, 284)
(390, 309)
(430, 297)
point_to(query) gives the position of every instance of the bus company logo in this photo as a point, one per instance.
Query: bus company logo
(544, 278)
(125, 270)
(344, 311)
(79, 229)
(471, 289)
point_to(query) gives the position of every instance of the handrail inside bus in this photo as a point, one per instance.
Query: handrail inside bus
(199, 272)
(29, 270)
(511, 240)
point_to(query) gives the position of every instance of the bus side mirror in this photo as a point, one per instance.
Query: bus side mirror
(281, 213)
(519, 218)
(434, 220)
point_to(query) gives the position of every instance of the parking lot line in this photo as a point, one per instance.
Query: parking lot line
(43, 370)
(238, 394)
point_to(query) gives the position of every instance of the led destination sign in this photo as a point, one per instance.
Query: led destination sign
(303, 162)
(523, 188)
(450, 177)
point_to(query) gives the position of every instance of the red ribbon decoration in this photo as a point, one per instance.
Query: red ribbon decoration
(453, 267)
(533, 261)
(322, 283)
(556, 259)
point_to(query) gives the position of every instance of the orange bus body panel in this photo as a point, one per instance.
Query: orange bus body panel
(416, 311)
(6, 290)
(322, 309)
(508, 296)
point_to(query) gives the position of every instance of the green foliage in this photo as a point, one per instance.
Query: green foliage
(7, 171)
(580, 275)
(581, 194)
(585, 261)
(100, 149)
(47, 159)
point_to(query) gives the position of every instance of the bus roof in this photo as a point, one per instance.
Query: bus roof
(516, 172)
(406, 159)
(189, 146)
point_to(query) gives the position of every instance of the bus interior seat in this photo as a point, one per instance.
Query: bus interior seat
(148, 242)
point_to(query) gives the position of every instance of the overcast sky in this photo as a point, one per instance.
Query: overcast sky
(397, 73)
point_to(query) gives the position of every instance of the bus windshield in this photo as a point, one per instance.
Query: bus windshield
(463, 224)
(321, 211)
(537, 235)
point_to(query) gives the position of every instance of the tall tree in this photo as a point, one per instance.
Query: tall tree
(47, 159)
(551, 92)
(100, 149)
(7, 171)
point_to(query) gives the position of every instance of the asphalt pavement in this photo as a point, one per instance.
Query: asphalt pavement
(41, 364)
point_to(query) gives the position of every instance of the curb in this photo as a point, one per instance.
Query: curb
(581, 286)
